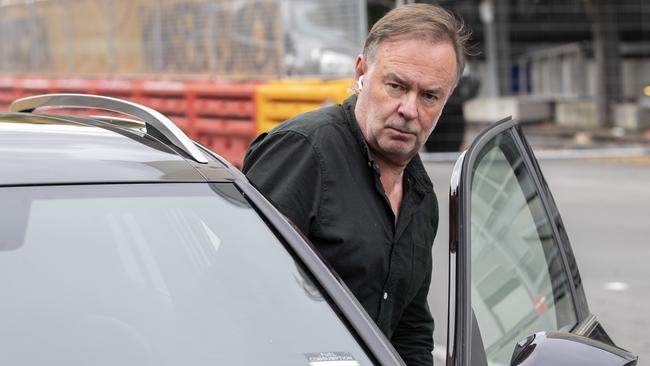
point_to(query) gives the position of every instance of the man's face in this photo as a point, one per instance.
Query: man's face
(405, 86)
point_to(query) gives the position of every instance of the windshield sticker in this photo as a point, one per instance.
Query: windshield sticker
(331, 359)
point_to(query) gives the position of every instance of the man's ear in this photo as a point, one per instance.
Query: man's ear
(359, 72)
(359, 67)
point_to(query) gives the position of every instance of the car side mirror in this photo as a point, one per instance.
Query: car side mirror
(557, 348)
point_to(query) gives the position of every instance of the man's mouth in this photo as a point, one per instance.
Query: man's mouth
(400, 132)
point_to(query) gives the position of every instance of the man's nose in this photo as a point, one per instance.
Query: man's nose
(408, 108)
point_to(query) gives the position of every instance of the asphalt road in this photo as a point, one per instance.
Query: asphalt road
(605, 205)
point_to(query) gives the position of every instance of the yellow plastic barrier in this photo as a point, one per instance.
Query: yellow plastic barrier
(278, 101)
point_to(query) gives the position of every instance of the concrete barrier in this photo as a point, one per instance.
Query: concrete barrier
(523, 109)
(576, 113)
(632, 116)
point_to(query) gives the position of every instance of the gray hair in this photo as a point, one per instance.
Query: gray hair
(423, 21)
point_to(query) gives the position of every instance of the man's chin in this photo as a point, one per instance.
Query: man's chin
(398, 151)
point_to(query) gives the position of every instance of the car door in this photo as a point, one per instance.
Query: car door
(512, 271)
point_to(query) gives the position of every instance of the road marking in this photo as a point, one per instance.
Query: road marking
(635, 160)
(597, 153)
(616, 286)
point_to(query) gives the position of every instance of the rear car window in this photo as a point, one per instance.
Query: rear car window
(155, 274)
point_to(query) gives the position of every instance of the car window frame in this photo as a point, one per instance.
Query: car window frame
(460, 316)
(579, 297)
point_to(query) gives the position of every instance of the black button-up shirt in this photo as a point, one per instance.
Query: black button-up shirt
(318, 171)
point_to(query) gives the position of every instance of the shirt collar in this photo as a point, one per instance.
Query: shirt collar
(414, 170)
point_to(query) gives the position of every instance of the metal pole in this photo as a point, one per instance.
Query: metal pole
(581, 73)
(504, 64)
(363, 21)
(486, 11)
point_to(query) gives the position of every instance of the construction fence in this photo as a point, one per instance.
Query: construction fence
(233, 39)
(209, 65)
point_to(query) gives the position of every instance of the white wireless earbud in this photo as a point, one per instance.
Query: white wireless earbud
(360, 83)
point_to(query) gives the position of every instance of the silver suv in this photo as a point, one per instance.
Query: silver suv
(122, 242)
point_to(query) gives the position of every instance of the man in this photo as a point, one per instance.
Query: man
(349, 176)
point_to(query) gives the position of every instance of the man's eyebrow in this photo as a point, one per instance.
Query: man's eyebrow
(393, 76)
(434, 90)
(397, 78)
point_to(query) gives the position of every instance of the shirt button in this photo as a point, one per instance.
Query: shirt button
(385, 295)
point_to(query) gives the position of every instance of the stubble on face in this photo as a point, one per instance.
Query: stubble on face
(406, 85)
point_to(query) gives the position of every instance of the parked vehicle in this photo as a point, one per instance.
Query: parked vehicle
(124, 242)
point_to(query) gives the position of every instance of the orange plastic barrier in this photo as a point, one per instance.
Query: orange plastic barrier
(8, 92)
(72, 85)
(280, 100)
(34, 86)
(14, 88)
(116, 88)
(222, 117)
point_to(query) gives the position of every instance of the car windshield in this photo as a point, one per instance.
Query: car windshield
(155, 274)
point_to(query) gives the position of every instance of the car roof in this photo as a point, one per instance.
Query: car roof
(38, 149)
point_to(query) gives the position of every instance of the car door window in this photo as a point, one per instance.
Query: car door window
(519, 284)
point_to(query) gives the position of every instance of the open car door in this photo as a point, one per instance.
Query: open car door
(515, 294)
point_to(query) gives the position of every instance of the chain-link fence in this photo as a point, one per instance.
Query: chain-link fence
(219, 38)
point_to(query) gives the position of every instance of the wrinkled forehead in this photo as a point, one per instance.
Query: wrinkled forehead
(371, 52)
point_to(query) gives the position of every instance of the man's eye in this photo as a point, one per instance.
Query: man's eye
(395, 86)
(430, 97)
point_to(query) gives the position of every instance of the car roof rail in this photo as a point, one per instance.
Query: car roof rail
(153, 119)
